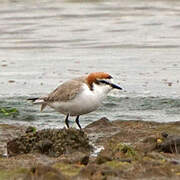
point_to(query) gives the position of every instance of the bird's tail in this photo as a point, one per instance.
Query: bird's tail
(38, 100)
(32, 99)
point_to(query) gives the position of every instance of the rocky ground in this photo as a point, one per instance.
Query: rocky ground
(102, 150)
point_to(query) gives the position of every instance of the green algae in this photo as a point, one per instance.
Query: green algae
(123, 150)
(127, 150)
(8, 111)
(12, 174)
(117, 164)
(68, 169)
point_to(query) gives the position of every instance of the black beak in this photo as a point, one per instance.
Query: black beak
(115, 86)
(110, 84)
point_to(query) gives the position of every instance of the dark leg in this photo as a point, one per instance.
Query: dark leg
(77, 121)
(66, 120)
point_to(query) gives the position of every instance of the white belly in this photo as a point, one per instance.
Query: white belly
(84, 103)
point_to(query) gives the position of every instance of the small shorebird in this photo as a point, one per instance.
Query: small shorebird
(78, 96)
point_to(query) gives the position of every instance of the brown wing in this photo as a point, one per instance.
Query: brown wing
(66, 91)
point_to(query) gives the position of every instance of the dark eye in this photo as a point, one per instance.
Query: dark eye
(97, 82)
(109, 77)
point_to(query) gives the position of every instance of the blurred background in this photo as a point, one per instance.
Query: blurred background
(46, 42)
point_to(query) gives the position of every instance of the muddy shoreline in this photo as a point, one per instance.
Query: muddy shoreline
(104, 150)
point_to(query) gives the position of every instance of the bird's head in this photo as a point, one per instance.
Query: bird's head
(101, 79)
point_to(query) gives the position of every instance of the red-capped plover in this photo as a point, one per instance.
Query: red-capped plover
(78, 96)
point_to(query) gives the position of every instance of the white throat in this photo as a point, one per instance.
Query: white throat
(100, 90)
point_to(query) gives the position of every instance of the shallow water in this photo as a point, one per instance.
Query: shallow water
(47, 42)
